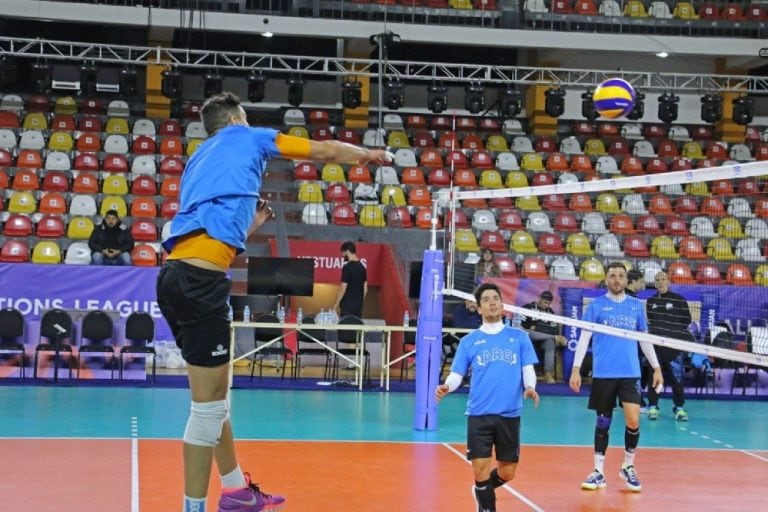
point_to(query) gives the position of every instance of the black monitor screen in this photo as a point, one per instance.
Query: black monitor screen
(281, 276)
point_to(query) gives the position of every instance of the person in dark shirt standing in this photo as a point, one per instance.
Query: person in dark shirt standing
(668, 316)
(110, 243)
(354, 283)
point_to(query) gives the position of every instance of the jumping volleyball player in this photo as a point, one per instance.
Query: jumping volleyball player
(615, 372)
(220, 207)
(501, 359)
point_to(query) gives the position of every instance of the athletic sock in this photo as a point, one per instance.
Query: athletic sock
(234, 479)
(486, 497)
(194, 504)
(495, 480)
(599, 462)
(631, 438)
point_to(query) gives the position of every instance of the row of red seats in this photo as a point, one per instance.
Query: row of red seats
(92, 162)
(89, 183)
(77, 228)
(50, 252)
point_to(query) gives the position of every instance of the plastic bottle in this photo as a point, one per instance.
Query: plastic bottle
(406, 319)
(281, 314)
(299, 316)
(246, 313)
(230, 313)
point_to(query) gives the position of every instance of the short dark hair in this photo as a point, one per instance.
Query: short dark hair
(349, 246)
(615, 264)
(547, 295)
(112, 212)
(217, 110)
(634, 275)
(483, 287)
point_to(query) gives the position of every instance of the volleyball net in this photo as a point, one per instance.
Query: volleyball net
(706, 228)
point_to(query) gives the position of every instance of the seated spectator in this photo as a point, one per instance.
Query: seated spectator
(487, 266)
(465, 315)
(544, 335)
(110, 242)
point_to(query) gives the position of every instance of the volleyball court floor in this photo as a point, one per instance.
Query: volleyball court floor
(88, 449)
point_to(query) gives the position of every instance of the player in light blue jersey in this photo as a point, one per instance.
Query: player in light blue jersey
(501, 359)
(615, 372)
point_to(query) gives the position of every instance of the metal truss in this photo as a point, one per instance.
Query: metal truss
(41, 49)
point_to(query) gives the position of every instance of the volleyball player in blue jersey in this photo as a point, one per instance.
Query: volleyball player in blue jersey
(501, 359)
(615, 372)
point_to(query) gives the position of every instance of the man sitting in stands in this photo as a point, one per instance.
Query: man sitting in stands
(545, 335)
(110, 243)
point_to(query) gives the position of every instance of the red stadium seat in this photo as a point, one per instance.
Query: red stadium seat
(86, 162)
(88, 142)
(708, 273)
(448, 141)
(144, 255)
(635, 246)
(457, 159)
(716, 151)
(115, 164)
(416, 122)
(733, 12)
(344, 215)
(423, 140)
(9, 120)
(510, 220)
(553, 203)
(656, 166)
(581, 202)
(170, 186)
(50, 226)
(348, 135)
(144, 230)
(668, 149)
(25, 179)
(144, 185)
(63, 122)
(14, 251)
(654, 131)
(561, 7)
(318, 117)
(337, 193)
(359, 174)
(172, 165)
(680, 273)
(92, 106)
(541, 178)
(29, 159)
(53, 202)
(550, 243)
(632, 166)
(18, 225)
(170, 128)
(680, 164)
(85, 183)
(581, 163)
(169, 207)
(143, 145)
(399, 217)
(721, 188)
(566, 222)
(171, 146)
(748, 186)
(621, 224)
(412, 176)
(431, 157)
(4, 181)
(506, 266)
(557, 162)
(534, 268)
(493, 240)
(55, 181)
(6, 160)
(546, 144)
(144, 206)
(424, 218)
(739, 275)
(472, 142)
(419, 196)
(482, 160)
(464, 178)
(618, 147)
(675, 225)
(713, 207)
(756, 12)
(440, 123)
(691, 248)
(660, 205)
(487, 124)
(439, 177)
(462, 221)
(322, 134)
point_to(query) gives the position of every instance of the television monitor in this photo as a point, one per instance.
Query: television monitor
(281, 276)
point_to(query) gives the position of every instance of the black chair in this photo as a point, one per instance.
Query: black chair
(97, 327)
(139, 338)
(306, 345)
(264, 335)
(409, 345)
(350, 337)
(11, 330)
(55, 327)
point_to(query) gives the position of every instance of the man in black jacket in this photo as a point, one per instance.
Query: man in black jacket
(544, 335)
(110, 243)
(668, 316)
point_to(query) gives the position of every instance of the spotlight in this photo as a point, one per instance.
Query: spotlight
(668, 107)
(212, 83)
(554, 103)
(394, 93)
(437, 97)
(256, 85)
(41, 77)
(588, 106)
(474, 97)
(88, 79)
(743, 110)
(295, 91)
(128, 82)
(171, 84)
(711, 108)
(638, 110)
(510, 102)
(351, 94)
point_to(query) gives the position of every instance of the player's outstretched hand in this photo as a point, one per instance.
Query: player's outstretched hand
(377, 156)
(531, 393)
(575, 382)
(440, 391)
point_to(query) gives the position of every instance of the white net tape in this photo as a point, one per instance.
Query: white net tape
(685, 346)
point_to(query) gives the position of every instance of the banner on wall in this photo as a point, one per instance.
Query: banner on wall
(328, 259)
(32, 289)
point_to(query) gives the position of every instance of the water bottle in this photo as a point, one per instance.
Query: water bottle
(281, 314)
(406, 319)
(299, 316)
(246, 314)
(333, 318)
(230, 313)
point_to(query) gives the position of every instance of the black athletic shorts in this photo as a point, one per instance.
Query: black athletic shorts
(195, 302)
(489, 431)
(602, 397)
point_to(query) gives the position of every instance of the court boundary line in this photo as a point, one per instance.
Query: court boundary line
(758, 457)
(517, 494)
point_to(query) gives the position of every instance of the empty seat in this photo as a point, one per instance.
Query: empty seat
(749, 250)
(465, 241)
(635, 246)
(720, 249)
(86, 162)
(608, 245)
(663, 247)
(691, 248)
(46, 252)
(78, 253)
(493, 240)
(592, 270)
(730, 227)
(533, 268)
(713, 207)
(708, 273)
(344, 215)
(702, 227)
(85, 183)
(739, 275)
(581, 202)
(593, 223)
(522, 242)
(310, 193)
(680, 273)
(633, 204)
(483, 220)
(314, 213)
(80, 228)
(607, 203)
(578, 244)
(756, 228)
(507, 162)
(113, 203)
(337, 193)
(371, 216)
(386, 175)
(538, 222)
(424, 219)
(393, 195)
(18, 225)
(57, 161)
(562, 269)
(22, 202)
(622, 224)
(739, 207)
(144, 255)
(14, 251)
(550, 243)
(115, 163)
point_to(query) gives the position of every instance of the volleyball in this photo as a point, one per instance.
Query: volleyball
(613, 98)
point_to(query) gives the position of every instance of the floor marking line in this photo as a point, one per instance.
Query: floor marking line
(745, 452)
(506, 487)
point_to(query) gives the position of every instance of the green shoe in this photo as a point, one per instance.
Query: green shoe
(653, 413)
(681, 415)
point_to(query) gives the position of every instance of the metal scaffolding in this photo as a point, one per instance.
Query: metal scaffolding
(182, 58)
